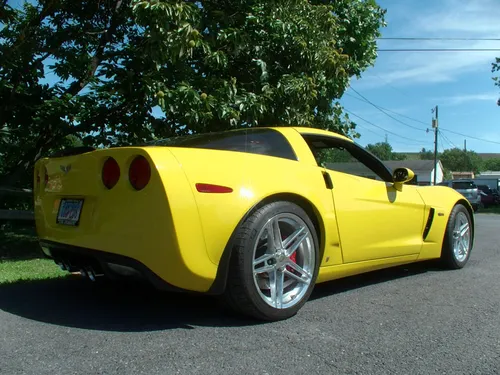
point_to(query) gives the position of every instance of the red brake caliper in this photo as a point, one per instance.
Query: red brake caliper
(293, 258)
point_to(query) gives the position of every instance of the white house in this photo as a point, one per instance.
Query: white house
(423, 169)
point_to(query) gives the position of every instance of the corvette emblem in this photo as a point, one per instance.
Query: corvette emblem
(66, 168)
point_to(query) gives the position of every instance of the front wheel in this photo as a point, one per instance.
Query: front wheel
(274, 264)
(457, 243)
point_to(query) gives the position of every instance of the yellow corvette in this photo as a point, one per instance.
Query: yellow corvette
(258, 215)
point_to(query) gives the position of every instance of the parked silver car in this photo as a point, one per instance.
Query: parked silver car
(467, 188)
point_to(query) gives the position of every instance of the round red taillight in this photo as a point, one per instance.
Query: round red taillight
(139, 173)
(110, 173)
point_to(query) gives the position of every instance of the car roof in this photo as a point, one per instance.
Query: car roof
(315, 131)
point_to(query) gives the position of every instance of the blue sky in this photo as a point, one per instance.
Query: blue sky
(412, 83)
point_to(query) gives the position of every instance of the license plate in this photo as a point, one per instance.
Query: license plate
(70, 211)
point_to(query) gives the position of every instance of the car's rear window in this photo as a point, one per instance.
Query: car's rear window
(255, 141)
(464, 185)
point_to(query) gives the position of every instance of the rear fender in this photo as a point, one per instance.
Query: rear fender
(219, 285)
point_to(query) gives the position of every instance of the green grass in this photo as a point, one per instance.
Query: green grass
(21, 258)
(13, 271)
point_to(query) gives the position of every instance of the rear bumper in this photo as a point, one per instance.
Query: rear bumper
(100, 262)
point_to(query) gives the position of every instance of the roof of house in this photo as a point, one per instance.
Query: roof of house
(417, 166)
(482, 155)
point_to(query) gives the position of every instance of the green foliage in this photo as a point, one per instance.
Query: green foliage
(426, 154)
(96, 70)
(495, 67)
(383, 150)
(458, 160)
(492, 164)
(333, 155)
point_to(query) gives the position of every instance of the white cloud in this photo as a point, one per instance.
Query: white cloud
(467, 98)
(448, 18)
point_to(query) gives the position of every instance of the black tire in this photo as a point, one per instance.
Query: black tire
(449, 258)
(242, 293)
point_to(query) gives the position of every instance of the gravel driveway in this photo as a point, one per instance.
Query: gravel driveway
(408, 320)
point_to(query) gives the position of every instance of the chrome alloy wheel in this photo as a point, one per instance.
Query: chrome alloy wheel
(461, 237)
(283, 261)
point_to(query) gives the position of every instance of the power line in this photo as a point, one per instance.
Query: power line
(438, 38)
(388, 110)
(383, 111)
(388, 131)
(447, 139)
(469, 136)
(390, 85)
(438, 49)
(383, 136)
(441, 144)
(421, 122)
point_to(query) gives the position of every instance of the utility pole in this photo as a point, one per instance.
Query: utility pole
(435, 126)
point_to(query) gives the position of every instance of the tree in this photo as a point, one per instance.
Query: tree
(495, 67)
(457, 160)
(426, 154)
(383, 150)
(492, 164)
(209, 65)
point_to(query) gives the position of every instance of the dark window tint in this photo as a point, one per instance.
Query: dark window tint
(464, 185)
(485, 188)
(255, 141)
(346, 157)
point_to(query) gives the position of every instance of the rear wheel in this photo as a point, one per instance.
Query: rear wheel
(457, 243)
(274, 264)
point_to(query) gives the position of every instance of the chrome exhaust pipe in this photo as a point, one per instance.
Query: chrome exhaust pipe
(83, 272)
(90, 273)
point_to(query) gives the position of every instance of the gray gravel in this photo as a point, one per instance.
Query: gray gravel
(408, 320)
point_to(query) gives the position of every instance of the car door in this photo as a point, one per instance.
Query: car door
(374, 219)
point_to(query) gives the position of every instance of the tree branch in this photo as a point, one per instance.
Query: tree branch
(106, 37)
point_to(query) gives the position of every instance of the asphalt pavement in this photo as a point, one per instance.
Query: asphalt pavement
(407, 320)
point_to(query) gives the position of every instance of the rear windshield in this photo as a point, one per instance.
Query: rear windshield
(255, 141)
(464, 185)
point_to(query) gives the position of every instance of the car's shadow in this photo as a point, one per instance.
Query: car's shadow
(371, 278)
(75, 302)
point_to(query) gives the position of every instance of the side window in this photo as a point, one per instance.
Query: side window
(346, 157)
(341, 160)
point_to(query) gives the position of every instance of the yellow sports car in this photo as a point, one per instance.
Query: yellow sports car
(257, 215)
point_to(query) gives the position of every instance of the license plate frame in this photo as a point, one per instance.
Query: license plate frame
(70, 211)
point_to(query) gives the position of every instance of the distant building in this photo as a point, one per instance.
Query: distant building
(489, 178)
(489, 174)
(423, 169)
(459, 175)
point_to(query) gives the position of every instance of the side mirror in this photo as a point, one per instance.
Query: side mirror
(401, 176)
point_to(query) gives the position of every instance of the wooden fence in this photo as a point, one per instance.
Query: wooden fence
(18, 215)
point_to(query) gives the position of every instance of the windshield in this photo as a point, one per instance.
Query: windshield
(464, 185)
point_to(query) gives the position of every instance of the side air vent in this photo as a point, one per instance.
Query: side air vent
(328, 180)
(429, 223)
